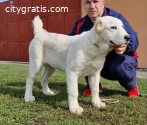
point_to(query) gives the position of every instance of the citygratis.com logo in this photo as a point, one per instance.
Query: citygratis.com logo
(24, 10)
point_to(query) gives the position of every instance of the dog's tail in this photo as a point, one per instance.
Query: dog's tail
(38, 25)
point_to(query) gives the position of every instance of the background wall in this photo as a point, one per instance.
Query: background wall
(16, 29)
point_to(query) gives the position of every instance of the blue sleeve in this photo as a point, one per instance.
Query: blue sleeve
(73, 32)
(133, 44)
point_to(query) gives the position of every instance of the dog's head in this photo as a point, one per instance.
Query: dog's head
(111, 31)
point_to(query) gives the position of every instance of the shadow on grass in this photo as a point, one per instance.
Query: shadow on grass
(17, 90)
(110, 92)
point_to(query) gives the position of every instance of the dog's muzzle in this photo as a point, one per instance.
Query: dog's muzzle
(127, 38)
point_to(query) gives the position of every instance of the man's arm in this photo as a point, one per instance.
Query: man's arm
(73, 32)
(133, 44)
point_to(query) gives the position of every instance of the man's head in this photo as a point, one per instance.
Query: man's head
(94, 8)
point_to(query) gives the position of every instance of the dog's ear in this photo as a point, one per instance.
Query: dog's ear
(99, 25)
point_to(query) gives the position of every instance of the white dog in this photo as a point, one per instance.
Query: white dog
(79, 55)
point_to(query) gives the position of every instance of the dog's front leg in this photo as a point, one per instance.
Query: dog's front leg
(72, 89)
(94, 80)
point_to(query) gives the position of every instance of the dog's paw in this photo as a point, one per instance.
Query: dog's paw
(29, 99)
(48, 92)
(99, 104)
(77, 110)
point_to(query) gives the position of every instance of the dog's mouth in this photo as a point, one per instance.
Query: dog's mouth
(115, 45)
(112, 43)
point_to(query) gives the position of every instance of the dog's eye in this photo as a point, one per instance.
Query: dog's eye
(113, 27)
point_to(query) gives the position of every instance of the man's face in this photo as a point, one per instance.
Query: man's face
(94, 8)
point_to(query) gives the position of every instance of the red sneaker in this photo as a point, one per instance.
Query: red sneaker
(87, 92)
(133, 92)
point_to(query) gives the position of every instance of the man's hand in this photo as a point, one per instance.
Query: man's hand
(120, 49)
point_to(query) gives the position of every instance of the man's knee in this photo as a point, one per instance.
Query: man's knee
(127, 71)
(124, 68)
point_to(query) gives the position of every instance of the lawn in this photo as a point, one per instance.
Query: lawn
(53, 110)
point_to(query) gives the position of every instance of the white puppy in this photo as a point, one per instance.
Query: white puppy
(79, 55)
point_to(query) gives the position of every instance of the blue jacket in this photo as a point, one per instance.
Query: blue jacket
(85, 24)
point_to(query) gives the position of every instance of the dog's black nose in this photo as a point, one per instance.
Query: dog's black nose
(127, 38)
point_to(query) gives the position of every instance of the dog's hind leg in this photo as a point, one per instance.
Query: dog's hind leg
(34, 69)
(48, 71)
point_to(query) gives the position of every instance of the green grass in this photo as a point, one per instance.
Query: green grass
(53, 110)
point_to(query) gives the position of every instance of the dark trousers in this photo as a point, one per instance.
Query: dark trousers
(121, 68)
